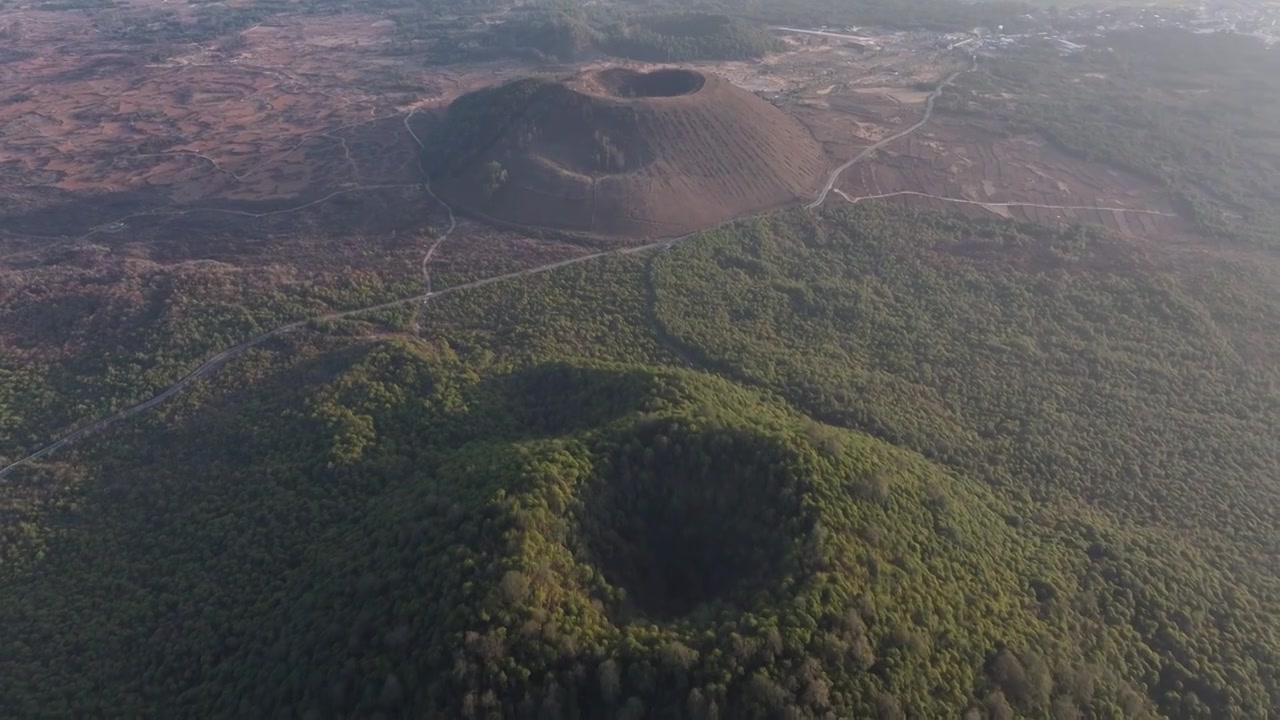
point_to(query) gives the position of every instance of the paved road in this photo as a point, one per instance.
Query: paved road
(866, 152)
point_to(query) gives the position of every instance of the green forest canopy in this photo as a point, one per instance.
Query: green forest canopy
(875, 463)
(567, 34)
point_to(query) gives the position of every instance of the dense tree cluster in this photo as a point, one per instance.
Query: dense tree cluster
(523, 513)
(689, 36)
(1056, 365)
(205, 24)
(572, 34)
(1071, 359)
(561, 541)
(78, 346)
(943, 15)
(561, 36)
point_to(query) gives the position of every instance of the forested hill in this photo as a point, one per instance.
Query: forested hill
(574, 33)
(943, 15)
(681, 37)
(868, 464)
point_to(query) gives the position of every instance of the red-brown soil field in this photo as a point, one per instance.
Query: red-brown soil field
(983, 174)
(290, 145)
(185, 148)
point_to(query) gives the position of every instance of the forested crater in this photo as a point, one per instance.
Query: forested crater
(682, 519)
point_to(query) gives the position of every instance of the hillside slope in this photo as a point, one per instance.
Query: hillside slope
(912, 466)
(617, 152)
(561, 541)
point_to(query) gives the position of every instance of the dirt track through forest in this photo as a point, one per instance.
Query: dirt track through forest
(217, 361)
(453, 220)
(962, 201)
(867, 151)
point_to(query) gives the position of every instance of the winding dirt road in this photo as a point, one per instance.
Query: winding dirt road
(963, 201)
(867, 151)
(217, 361)
(453, 221)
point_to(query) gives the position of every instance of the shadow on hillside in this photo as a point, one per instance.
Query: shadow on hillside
(561, 398)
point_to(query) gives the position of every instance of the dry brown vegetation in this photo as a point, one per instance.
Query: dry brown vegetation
(161, 200)
(272, 174)
(283, 143)
(983, 174)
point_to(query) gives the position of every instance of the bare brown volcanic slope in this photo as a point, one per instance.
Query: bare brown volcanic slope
(620, 152)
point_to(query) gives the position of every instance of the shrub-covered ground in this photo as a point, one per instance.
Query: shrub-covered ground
(869, 464)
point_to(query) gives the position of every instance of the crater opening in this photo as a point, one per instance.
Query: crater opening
(683, 520)
(623, 83)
